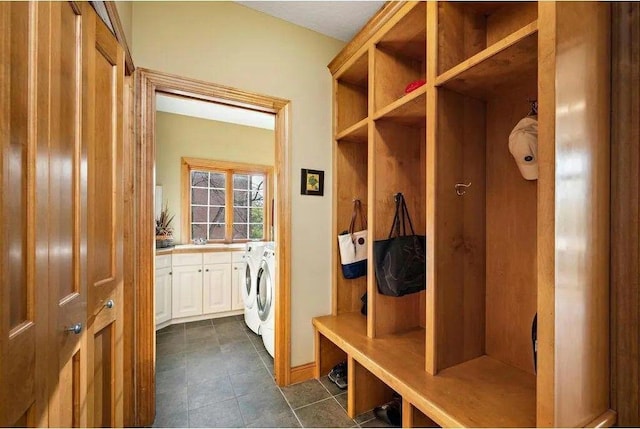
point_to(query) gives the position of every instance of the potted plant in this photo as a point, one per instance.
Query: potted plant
(164, 230)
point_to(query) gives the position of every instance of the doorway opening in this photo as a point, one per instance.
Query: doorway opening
(149, 85)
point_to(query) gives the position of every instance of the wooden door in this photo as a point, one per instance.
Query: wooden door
(103, 139)
(23, 241)
(186, 294)
(67, 227)
(216, 288)
(59, 367)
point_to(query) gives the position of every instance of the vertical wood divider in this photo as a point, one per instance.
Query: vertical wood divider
(371, 193)
(351, 387)
(430, 359)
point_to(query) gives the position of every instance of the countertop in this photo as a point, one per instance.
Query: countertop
(192, 248)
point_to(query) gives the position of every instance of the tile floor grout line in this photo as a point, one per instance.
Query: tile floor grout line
(345, 410)
(312, 403)
(367, 421)
(289, 404)
(340, 405)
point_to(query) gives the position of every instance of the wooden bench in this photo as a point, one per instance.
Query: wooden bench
(482, 392)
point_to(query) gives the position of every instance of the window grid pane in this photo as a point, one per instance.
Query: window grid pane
(208, 201)
(248, 206)
(207, 204)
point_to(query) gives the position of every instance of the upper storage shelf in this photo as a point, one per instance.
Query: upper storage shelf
(511, 60)
(486, 47)
(400, 59)
(352, 94)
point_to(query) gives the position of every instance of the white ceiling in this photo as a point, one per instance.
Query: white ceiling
(337, 19)
(214, 111)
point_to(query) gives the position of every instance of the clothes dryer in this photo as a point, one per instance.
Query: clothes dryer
(266, 298)
(252, 258)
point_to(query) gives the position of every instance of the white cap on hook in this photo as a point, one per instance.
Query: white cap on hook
(523, 145)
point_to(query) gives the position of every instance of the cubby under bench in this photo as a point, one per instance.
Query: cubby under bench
(482, 392)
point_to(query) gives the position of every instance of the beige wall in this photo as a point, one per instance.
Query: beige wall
(125, 12)
(180, 136)
(230, 44)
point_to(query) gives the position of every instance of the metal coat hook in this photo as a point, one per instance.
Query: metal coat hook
(533, 111)
(461, 188)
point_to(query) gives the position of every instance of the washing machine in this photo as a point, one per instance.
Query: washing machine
(252, 258)
(266, 298)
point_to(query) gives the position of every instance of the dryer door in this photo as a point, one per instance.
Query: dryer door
(248, 294)
(265, 291)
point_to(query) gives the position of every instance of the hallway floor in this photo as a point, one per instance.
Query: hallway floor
(216, 373)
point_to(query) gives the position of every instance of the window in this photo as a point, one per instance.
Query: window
(225, 201)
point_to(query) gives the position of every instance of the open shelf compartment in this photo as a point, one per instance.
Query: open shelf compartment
(467, 28)
(351, 161)
(400, 57)
(352, 94)
(399, 167)
(502, 65)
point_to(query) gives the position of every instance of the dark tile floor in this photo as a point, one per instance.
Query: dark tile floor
(216, 373)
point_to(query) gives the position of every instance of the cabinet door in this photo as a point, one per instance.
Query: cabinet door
(216, 295)
(237, 283)
(163, 295)
(186, 291)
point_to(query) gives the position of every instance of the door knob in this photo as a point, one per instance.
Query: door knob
(207, 270)
(110, 304)
(76, 329)
(199, 271)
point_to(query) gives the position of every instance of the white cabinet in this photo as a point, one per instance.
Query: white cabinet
(193, 284)
(187, 291)
(216, 290)
(163, 289)
(237, 283)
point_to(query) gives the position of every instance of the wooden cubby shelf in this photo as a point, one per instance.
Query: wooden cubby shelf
(352, 94)
(460, 352)
(408, 110)
(499, 66)
(357, 133)
(400, 57)
(482, 392)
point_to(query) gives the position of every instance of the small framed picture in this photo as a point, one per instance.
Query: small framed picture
(312, 182)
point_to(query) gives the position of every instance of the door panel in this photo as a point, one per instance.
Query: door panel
(103, 137)
(216, 293)
(20, 320)
(102, 377)
(68, 396)
(16, 159)
(238, 282)
(163, 295)
(66, 213)
(186, 291)
(103, 133)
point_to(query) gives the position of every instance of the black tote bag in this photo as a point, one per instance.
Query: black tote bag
(400, 260)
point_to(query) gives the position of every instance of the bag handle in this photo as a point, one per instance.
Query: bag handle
(357, 209)
(399, 217)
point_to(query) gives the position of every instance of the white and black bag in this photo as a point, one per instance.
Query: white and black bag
(353, 246)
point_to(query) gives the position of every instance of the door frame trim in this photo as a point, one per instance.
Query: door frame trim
(147, 83)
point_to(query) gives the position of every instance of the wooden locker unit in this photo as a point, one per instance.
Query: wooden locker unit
(460, 353)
